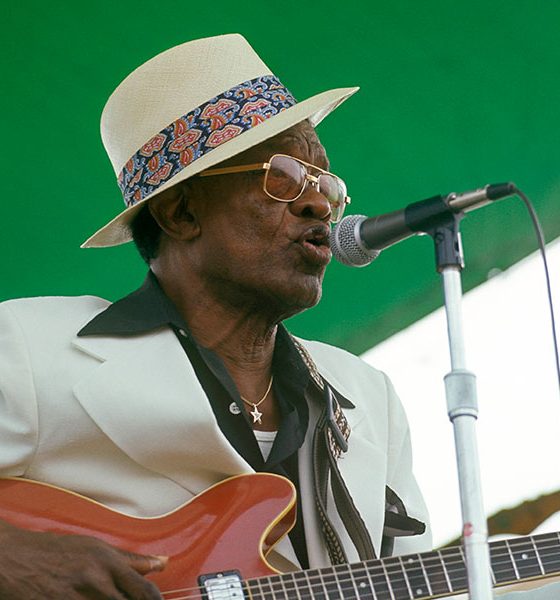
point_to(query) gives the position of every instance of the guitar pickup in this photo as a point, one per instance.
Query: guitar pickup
(226, 585)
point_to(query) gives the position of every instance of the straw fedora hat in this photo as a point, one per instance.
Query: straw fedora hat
(189, 108)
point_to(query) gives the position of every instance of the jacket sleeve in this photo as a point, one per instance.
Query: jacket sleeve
(18, 406)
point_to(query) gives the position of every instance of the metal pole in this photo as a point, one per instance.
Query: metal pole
(462, 408)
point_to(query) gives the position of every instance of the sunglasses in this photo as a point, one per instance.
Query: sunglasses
(286, 178)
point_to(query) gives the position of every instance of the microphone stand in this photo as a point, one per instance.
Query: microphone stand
(462, 407)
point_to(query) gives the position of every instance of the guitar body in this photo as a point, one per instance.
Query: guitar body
(231, 526)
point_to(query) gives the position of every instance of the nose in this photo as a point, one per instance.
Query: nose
(311, 204)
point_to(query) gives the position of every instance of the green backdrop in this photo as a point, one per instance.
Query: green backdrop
(453, 95)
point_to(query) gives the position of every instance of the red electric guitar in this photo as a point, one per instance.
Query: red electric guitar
(217, 544)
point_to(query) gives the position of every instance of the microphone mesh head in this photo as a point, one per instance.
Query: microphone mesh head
(346, 243)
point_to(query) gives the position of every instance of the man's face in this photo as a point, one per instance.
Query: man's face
(254, 250)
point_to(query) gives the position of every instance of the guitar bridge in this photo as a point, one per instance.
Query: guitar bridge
(226, 585)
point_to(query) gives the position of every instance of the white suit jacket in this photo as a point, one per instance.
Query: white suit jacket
(124, 420)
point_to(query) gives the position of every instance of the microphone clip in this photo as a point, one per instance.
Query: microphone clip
(436, 218)
(447, 242)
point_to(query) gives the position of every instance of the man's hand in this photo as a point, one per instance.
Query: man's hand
(39, 566)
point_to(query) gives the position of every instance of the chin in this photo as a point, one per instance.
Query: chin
(299, 298)
(283, 293)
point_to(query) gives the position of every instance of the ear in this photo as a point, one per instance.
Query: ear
(173, 214)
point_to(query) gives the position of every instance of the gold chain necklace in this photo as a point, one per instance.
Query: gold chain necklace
(255, 413)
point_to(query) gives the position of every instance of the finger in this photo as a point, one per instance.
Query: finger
(102, 587)
(143, 563)
(133, 585)
(116, 581)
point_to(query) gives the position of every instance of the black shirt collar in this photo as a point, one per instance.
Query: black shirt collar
(145, 309)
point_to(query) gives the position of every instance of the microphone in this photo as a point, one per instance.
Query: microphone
(358, 240)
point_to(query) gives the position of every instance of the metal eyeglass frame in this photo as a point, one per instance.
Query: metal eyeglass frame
(266, 167)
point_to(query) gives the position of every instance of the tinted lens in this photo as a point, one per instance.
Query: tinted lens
(334, 191)
(285, 178)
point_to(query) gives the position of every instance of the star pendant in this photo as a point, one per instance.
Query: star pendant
(256, 414)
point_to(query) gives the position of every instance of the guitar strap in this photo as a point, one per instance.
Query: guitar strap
(330, 441)
(326, 470)
(321, 469)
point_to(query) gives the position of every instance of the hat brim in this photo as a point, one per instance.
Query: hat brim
(316, 108)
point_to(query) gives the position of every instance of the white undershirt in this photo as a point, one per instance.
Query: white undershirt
(265, 440)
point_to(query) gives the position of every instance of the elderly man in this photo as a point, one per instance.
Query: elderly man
(143, 404)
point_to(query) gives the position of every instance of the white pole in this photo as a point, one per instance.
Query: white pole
(462, 408)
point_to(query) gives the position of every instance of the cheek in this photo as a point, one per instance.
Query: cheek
(261, 226)
(248, 243)
(246, 228)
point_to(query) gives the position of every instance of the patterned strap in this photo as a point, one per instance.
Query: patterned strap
(345, 506)
(309, 363)
(330, 441)
(321, 467)
(338, 430)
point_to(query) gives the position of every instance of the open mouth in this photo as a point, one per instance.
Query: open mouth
(316, 236)
(315, 242)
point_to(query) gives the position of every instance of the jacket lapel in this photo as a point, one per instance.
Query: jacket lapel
(145, 396)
